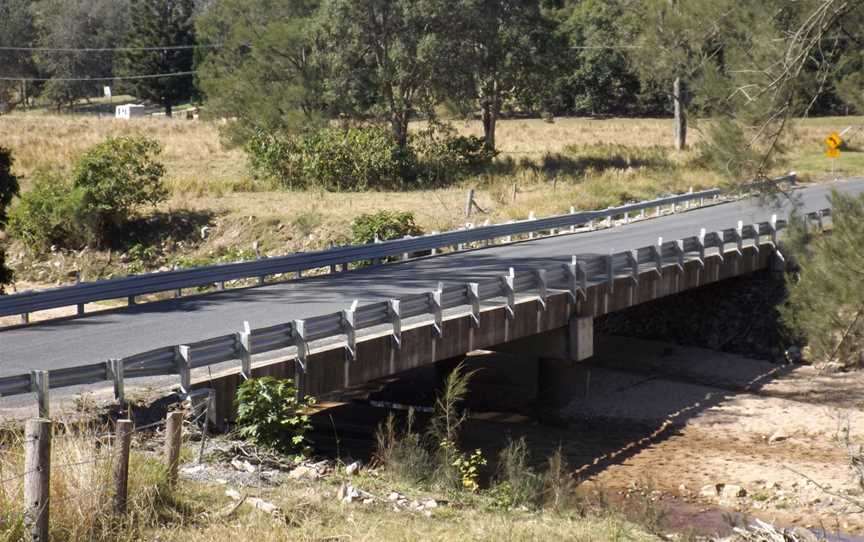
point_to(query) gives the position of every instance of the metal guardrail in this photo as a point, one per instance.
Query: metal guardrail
(574, 278)
(129, 287)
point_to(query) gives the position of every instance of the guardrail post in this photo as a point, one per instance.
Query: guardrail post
(610, 271)
(244, 350)
(183, 358)
(658, 257)
(609, 220)
(755, 237)
(572, 212)
(349, 325)
(40, 386)
(298, 331)
(179, 291)
(130, 300)
(80, 306)
(633, 256)
(437, 310)
(574, 286)
(25, 318)
(819, 222)
(394, 311)
(658, 211)
(117, 370)
(626, 217)
(642, 213)
(542, 289)
(679, 252)
(472, 290)
(37, 478)
(531, 217)
(773, 226)
(509, 283)
(739, 237)
(435, 249)
(701, 240)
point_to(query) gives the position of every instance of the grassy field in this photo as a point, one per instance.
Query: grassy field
(584, 163)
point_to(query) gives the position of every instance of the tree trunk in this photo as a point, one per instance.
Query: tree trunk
(490, 118)
(680, 116)
(399, 125)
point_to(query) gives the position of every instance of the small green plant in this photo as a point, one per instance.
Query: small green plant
(516, 483)
(383, 226)
(403, 453)
(468, 467)
(306, 222)
(270, 414)
(446, 423)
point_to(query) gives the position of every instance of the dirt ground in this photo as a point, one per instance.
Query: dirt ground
(775, 431)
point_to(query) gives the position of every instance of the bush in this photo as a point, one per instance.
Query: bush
(443, 157)
(109, 183)
(114, 178)
(383, 225)
(47, 214)
(269, 414)
(9, 188)
(356, 158)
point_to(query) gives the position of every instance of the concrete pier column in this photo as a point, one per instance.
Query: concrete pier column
(580, 338)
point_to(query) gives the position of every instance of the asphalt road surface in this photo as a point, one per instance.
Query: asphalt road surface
(119, 333)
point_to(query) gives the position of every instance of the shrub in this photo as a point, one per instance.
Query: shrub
(47, 214)
(270, 414)
(403, 453)
(9, 188)
(354, 158)
(443, 157)
(383, 225)
(114, 178)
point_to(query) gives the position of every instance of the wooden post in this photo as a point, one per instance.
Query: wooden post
(514, 191)
(469, 202)
(173, 434)
(122, 442)
(37, 478)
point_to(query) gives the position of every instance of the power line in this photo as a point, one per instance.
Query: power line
(106, 49)
(118, 78)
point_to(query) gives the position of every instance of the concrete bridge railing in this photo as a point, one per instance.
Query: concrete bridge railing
(412, 327)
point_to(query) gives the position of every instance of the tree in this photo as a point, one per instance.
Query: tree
(509, 52)
(17, 29)
(384, 57)
(77, 24)
(9, 188)
(265, 74)
(154, 24)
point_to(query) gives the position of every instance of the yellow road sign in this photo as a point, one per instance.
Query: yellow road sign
(832, 153)
(834, 141)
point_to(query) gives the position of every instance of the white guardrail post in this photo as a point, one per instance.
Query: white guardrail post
(183, 359)
(244, 350)
(349, 326)
(394, 312)
(508, 282)
(116, 369)
(701, 240)
(658, 256)
(437, 310)
(472, 290)
(542, 289)
(40, 386)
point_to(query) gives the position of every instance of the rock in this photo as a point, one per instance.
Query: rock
(353, 468)
(731, 491)
(347, 493)
(193, 469)
(682, 489)
(804, 535)
(394, 496)
(304, 473)
(243, 466)
(711, 490)
(430, 503)
(777, 436)
(793, 354)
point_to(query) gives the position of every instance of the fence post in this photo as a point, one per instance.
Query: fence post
(122, 443)
(39, 385)
(37, 478)
(469, 202)
(173, 435)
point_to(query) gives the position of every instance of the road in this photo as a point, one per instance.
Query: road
(118, 333)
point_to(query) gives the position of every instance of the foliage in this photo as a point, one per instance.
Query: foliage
(46, 214)
(826, 301)
(468, 467)
(445, 425)
(403, 453)
(383, 226)
(16, 27)
(9, 186)
(270, 414)
(265, 74)
(354, 158)
(113, 179)
(444, 157)
(155, 23)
